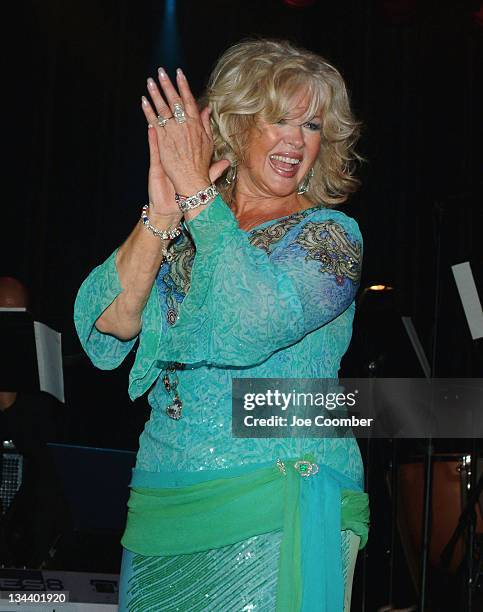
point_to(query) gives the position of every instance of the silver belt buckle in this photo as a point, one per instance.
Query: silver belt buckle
(303, 467)
(306, 468)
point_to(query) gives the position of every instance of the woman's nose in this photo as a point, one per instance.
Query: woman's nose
(295, 136)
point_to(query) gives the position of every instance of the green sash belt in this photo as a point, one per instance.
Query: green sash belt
(310, 503)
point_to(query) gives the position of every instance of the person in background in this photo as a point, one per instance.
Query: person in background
(240, 268)
(32, 524)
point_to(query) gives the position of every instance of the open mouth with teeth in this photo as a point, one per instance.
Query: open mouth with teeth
(285, 166)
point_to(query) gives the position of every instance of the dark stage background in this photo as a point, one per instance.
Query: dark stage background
(76, 157)
(76, 152)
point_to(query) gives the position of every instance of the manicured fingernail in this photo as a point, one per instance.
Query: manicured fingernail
(144, 101)
(180, 73)
(151, 83)
(162, 73)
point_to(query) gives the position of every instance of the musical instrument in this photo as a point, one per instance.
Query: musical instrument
(451, 483)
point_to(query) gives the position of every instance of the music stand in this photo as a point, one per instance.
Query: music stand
(31, 357)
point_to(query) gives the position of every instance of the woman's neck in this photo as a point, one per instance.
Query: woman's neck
(252, 210)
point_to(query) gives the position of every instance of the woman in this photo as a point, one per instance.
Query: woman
(258, 281)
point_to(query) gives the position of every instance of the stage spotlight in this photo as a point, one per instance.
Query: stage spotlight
(380, 287)
(168, 49)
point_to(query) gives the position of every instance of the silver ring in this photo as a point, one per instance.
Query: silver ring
(162, 121)
(178, 113)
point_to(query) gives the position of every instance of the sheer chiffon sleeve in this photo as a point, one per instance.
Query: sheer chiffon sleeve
(96, 293)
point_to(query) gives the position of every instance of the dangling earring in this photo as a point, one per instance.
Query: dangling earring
(304, 185)
(230, 177)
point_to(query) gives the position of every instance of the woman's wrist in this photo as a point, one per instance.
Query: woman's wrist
(164, 221)
(165, 233)
(190, 186)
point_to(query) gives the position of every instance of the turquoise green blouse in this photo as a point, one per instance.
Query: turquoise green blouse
(276, 301)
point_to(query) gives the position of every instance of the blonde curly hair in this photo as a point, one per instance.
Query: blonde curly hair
(259, 79)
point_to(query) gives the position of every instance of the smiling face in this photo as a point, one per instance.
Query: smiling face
(280, 155)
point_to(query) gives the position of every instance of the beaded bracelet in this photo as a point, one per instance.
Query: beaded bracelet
(203, 197)
(168, 234)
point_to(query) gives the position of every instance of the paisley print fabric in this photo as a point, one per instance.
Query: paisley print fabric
(174, 276)
(328, 243)
(266, 237)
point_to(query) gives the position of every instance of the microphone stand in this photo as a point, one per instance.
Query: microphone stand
(427, 521)
(372, 373)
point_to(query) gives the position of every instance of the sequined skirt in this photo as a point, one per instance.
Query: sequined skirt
(241, 577)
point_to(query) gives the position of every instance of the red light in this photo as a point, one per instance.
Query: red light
(299, 3)
(478, 16)
(399, 11)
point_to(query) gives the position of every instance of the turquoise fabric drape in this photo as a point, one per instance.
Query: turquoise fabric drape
(182, 513)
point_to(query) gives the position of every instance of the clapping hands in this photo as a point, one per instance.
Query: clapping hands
(180, 143)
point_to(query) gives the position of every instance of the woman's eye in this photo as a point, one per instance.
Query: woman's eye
(312, 125)
(281, 122)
